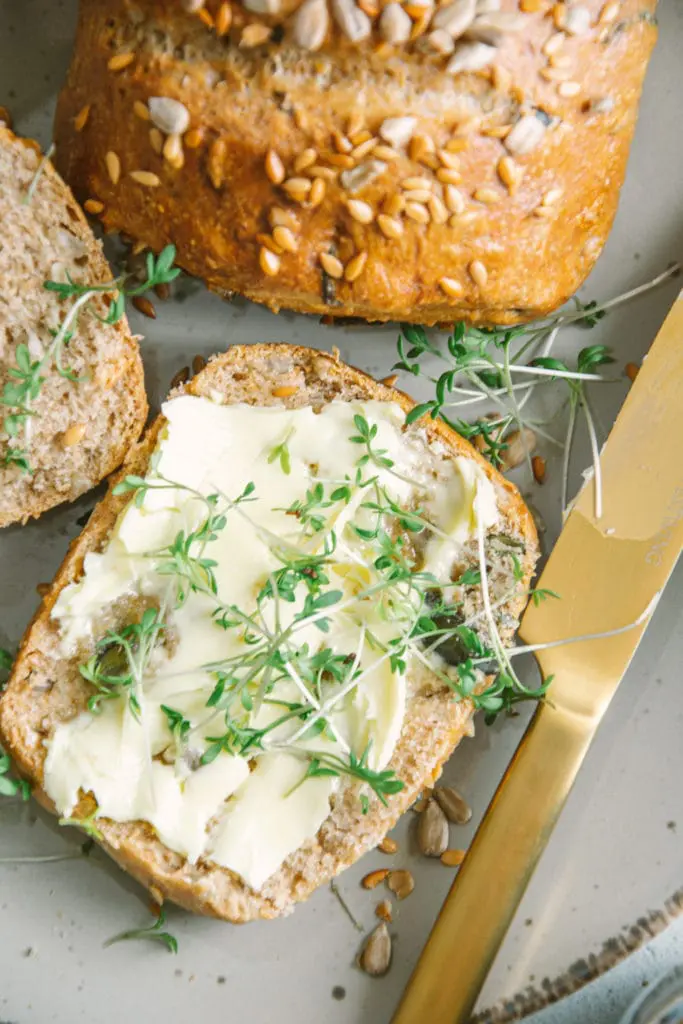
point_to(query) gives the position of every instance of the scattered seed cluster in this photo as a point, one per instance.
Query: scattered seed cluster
(465, 34)
(399, 176)
(435, 809)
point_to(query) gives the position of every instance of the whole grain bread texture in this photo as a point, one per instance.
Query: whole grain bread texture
(81, 429)
(423, 162)
(45, 689)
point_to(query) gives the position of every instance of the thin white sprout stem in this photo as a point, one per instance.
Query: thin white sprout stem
(51, 858)
(595, 450)
(542, 371)
(328, 705)
(619, 300)
(566, 456)
(514, 652)
(544, 434)
(324, 710)
(54, 345)
(498, 646)
(46, 157)
(546, 348)
(480, 395)
(516, 409)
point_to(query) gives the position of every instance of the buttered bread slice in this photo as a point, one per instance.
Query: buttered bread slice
(272, 633)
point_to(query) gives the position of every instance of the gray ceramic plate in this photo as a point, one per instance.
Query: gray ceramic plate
(616, 857)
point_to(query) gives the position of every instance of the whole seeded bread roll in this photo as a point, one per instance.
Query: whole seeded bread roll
(409, 161)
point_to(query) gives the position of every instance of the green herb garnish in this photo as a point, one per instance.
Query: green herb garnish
(28, 375)
(155, 932)
(9, 785)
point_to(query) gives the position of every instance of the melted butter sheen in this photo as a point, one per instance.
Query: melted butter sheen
(246, 820)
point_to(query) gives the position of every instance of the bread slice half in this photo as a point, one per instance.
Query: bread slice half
(46, 689)
(84, 418)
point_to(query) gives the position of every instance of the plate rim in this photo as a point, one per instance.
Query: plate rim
(539, 995)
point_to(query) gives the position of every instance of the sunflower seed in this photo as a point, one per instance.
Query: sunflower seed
(113, 165)
(374, 878)
(311, 23)
(171, 116)
(492, 28)
(255, 34)
(353, 22)
(539, 468)
(332, 266)
(401, 883)
(471, 57)
(452, 858)
(376, 956)
(453, 805)
(394, 24)
(358, 177)
(147, 178)
(478, 273)
(390, 227)
(577, 21)
(455, 17)
(263, 6)
(432, 830)
(269, 262)
(360, 211)
(455, 200)
(383, 910)
(451, 287)
(397, 131)
(525, 135)
(441, 41)
(74, 434)
(520, 444)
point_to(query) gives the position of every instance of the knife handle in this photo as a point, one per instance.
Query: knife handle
(491, 882)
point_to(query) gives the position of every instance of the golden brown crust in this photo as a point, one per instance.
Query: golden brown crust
(433, 727)
(535, 222)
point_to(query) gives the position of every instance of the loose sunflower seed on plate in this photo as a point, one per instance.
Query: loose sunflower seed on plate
(453, 805)
(375, 958)
(432, 830)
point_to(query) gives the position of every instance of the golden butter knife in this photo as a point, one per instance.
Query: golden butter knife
(607, 573)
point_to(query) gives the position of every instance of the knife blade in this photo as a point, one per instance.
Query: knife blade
(607, 572)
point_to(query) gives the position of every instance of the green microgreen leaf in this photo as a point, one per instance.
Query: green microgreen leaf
(155, 932)
(27, 376)
(9, 784)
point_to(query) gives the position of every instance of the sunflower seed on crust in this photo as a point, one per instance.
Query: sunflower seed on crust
(471, 57)
(525, 135)
(441, 41)
(397, 131)
(394, 24)
(356, 178)
(455, 17)
(170, 116)
(577, 21)
(353, 22)
(311, 23)
(492, 28)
